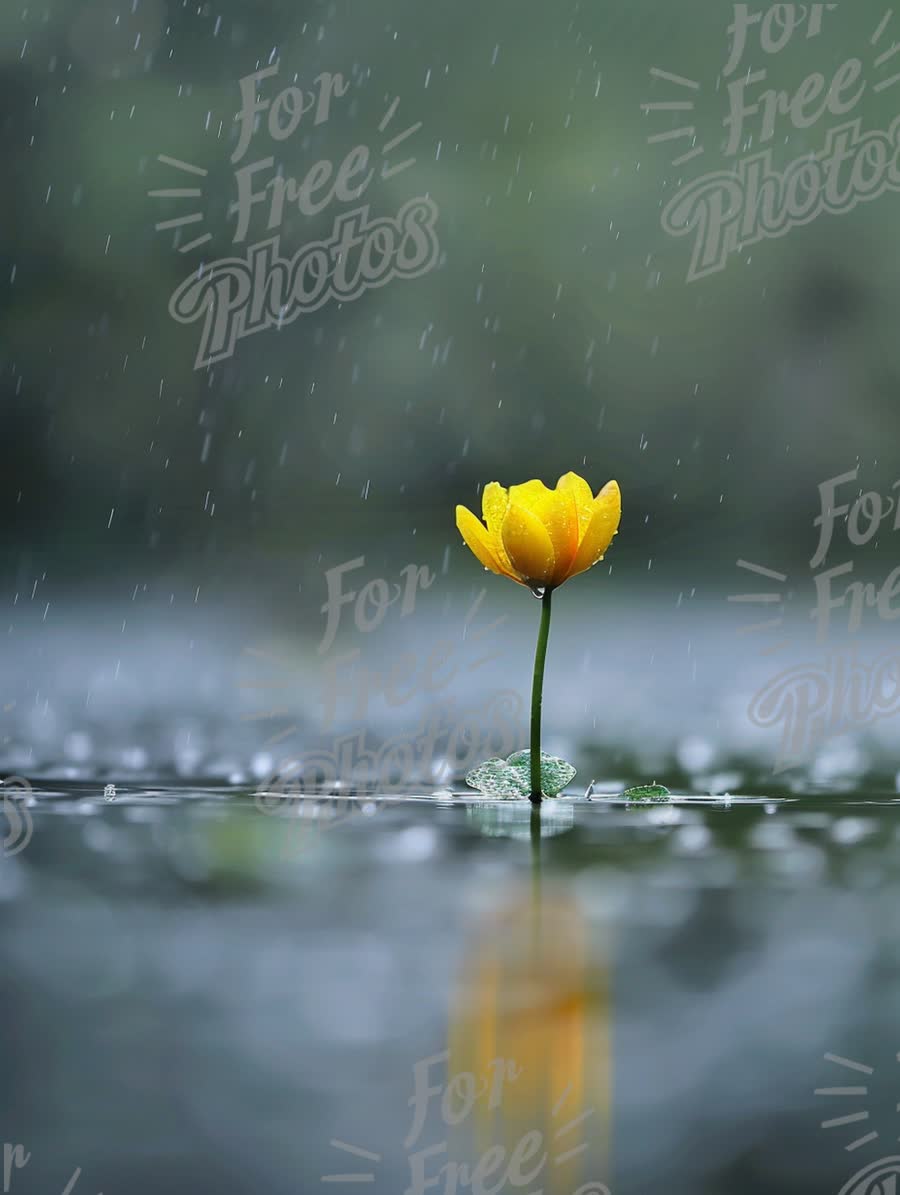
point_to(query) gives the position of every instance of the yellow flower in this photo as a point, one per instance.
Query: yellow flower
(541, 537)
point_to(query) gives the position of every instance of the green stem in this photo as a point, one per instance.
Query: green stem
(537, 690)
(535, 879)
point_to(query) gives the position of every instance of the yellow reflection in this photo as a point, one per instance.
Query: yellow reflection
(531, 1021)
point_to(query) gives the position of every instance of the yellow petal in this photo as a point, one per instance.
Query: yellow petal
(556, 510)
(478, 540)
(529, 494)
(494, 502)
(583, 497)
(527, 545)
(607, 510)
(561, 521)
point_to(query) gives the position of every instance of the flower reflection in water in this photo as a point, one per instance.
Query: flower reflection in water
(531, 1021)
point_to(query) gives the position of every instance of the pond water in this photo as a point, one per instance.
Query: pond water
(198, 994)
(415, 989)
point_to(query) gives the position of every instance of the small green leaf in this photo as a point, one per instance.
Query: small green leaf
(647, 792)
(495, 778)
(511, 778)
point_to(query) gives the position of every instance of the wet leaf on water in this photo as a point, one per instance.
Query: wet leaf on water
(647, 792)
(511, 777)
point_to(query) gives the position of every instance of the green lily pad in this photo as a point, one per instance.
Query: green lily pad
(647, 792)
(511, 777)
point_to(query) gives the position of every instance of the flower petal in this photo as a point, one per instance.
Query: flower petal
(607, 511)
(561, 521)
(527, 545)
(556, 510)
(478, 540)
(583, 497)
(494, 502)
(529, 494)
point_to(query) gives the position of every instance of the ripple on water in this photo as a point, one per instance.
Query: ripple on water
(846, 831)
(413, 845)
(772, 836)
(692, 840)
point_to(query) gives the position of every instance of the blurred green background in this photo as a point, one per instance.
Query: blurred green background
(558, 330)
